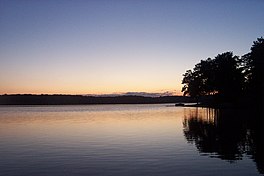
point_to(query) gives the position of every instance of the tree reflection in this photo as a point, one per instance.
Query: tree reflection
(228, 134)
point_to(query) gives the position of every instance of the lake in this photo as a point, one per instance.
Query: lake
(128, 140)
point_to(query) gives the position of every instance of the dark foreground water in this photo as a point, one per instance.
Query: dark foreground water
(128, 140)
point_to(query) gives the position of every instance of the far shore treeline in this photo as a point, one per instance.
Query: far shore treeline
(28, 99)
(228, 79)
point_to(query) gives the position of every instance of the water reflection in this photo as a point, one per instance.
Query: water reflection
(228, 134)
(124, 140)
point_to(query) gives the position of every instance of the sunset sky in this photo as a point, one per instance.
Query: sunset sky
(117, 46)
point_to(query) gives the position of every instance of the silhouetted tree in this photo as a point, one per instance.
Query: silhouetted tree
(253, 64)
(228, 76)
(192, 84)
(222, 76)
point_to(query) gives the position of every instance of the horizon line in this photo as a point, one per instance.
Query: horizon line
(90, 95)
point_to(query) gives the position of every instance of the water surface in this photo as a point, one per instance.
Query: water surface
(123, 140)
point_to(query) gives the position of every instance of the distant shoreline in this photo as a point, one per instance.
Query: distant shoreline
(28, 99)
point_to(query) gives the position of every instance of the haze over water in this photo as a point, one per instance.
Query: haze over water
(119, 140)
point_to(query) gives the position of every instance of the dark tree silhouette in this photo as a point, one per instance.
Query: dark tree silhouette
(228, 77)
(193, 84)
(221, 76)
(253, 64)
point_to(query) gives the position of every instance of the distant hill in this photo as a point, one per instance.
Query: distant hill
(28, 99)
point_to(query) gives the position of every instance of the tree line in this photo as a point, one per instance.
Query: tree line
(29, 99)
(228, 78)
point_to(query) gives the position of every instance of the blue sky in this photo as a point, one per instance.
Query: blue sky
(104, 47)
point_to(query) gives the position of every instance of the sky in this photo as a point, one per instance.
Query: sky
(117, 46)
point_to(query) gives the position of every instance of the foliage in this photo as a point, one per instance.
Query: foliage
(220, 75)
(254, 65)
(227, 76)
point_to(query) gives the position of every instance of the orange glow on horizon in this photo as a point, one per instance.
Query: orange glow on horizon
(68, 82)
(38, 92)
(78, 88)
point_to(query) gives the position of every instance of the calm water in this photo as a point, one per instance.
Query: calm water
(126, 140)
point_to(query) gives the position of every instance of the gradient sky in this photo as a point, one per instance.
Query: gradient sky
(102, 47)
